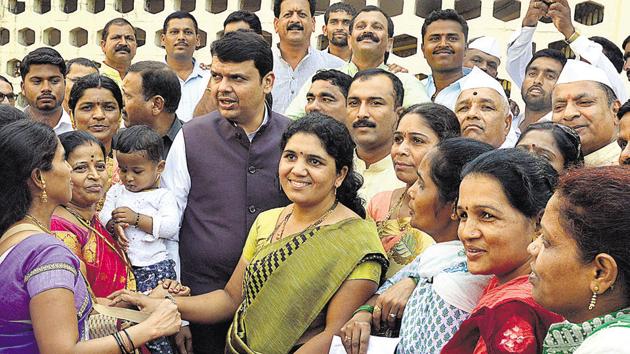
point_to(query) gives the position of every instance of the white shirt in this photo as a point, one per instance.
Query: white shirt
(519, 53)
(64, 125)
(448, 95)
(159, 204)
(379, 177)
(176, 177)
(288, 81)
(192, 89)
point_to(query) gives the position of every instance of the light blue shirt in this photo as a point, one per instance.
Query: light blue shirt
(192, 89)
(448, 95)
(288, 81)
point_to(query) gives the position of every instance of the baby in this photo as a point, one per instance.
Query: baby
(140, 214)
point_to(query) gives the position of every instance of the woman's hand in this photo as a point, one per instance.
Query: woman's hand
(391, 304)
(169, 287)
(126, 297)
(165, 320)
(355, 334)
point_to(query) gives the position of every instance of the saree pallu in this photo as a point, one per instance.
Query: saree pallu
(106, 266)
(289, 282)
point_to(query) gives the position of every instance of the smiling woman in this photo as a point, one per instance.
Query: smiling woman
(501, 199)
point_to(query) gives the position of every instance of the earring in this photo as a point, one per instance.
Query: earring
(591, 305)
(43, 197)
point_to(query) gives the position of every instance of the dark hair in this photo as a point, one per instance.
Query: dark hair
(158, 79)
(119, 21)
(527, 181)
(625, 42)
(372, 8)
(445, 15)
(399, 91)
(339, 7)
(73, 139)
(42, 56)
(335, 77)
(625, 108)
(335, 138)
(611, 51)
(82, 62)
(240, 46)
(140, 138)
(25, 145)
(94, 81)
(611, 96)
(10, 114)
(245, 16)
(2, 78)
(548, 53)
(277, 3)
(591, 211)
(180, 15)
(441, 119)
(566, 138)
(448, 159)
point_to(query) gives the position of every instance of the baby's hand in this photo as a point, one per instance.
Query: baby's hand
(119, 233)
(124, 215)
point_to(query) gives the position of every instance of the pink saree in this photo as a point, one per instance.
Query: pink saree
(106, 265)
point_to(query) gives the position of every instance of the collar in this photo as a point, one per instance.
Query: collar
(430, 82)
(110, 70)
(251, 135)
(606, 156)
(276, 51)
(353, 69)
(174, 129)
(566, 337)
(196, 72)
(379, 166)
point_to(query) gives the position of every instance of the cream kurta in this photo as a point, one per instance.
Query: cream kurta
(379, 177)
(606, 156)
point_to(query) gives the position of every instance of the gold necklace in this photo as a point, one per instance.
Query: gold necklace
(395, 208)
(311, 226)
(36, 222)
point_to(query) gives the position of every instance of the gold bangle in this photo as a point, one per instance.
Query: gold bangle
(573, 37)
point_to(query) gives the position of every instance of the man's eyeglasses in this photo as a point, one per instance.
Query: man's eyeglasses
(10, 96)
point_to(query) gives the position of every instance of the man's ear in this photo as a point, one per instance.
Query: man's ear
(158, 104)
(268, 81)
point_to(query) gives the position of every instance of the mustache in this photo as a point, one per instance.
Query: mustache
(122, 48)
(295, 26)
(367, 35)
(46, 96)
(626, 162)
(442, 49)
(364, 123)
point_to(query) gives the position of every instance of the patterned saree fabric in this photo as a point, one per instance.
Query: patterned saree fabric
(307, 268)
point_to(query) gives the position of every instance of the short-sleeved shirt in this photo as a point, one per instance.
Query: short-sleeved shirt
(263, 227)
(36, 264)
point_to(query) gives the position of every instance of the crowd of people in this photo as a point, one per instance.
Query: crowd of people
(282, 196)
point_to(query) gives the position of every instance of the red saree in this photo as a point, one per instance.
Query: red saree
(106, 265)
(506, 320)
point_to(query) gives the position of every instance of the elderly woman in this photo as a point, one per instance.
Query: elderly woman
(434, 293)
(581, 266)
(95, 106)
(305, 267)
(419, 128)
(76, 223)
(46, 301)
(501, 199)
(558, 144)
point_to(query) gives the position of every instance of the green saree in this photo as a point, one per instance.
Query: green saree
(289, 282)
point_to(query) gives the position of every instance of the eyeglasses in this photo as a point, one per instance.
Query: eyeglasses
(10, 96)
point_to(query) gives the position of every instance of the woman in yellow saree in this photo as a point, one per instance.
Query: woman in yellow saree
(305, 267)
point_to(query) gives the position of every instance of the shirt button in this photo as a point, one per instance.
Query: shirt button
(251, 169)
(239, 135)
(252, 209)
(292, 92)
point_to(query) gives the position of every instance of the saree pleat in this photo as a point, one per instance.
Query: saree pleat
(287, 284)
